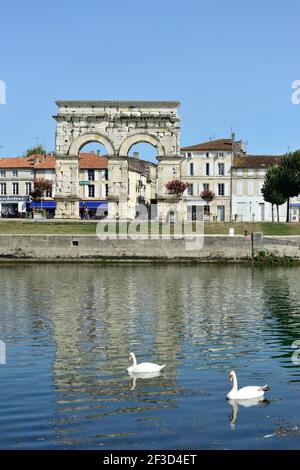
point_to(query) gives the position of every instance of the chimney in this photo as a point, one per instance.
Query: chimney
(136, 155)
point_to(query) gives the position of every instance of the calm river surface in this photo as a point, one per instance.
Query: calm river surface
(68, 330)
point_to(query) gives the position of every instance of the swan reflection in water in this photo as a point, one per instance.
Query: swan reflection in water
(247, 404)
(141, 375)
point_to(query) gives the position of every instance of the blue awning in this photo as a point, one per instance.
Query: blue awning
(42, 205)
(295, 204)
(94, 204)
(52, 204)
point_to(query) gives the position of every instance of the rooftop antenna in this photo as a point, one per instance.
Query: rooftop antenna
(38, 140)
(211, 137)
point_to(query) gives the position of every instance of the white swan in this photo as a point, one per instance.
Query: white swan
(244, 393)
(144, 367)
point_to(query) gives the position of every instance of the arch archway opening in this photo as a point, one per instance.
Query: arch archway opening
(93, 180)
(144, 151)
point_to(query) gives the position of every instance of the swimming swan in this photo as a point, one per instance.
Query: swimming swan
(144, 367)
(244, 393)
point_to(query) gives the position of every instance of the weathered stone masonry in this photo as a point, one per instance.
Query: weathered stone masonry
(118, 125)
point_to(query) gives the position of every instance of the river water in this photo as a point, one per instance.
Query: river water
(68, 329)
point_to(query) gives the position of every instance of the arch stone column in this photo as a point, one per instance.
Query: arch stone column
(118, 125)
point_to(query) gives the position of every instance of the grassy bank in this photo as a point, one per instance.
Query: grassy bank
(77, 228)
(267, 228)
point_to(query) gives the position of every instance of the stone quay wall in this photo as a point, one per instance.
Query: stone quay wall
(88, 247)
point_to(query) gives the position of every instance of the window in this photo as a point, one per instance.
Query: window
(262, 172)
(221, 154)
(207, 210)
(205, 187)
(191, 169)
(15, 189)
(189, 155)
(2, 173)
(49, 193)
(91, 175)
(106, 174)
(91, 190)
(106, 190)
(3, 189)
(239, 188)
(207, 169)
(221, 168)
(239, 172)
(250, 188)
(207, 154)
(191, 189)
(27, 188)
(221, 189)
(15, 173)
(250, 172)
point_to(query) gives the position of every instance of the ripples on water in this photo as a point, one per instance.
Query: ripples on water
(68, 330)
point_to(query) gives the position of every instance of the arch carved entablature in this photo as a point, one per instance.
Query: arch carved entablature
(118, 125)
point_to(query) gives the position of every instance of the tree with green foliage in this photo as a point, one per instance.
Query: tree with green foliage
(41, 186)
(270, 190)
(288, 182)
(38, 150)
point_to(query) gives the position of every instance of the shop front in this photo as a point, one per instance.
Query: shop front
(46, 207)
(13, 206)
(93, 209)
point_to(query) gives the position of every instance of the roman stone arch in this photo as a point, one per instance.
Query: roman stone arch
(141, 138)
(118, 125)
(81, 141)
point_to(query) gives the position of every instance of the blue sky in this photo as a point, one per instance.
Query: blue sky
(230, 64)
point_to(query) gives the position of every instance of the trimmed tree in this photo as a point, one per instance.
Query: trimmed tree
(40, 187)
(288, 182)
(208, 196)
(176, 187)
(270, 190)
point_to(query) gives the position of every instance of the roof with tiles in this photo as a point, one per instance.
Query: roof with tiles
(47, 162)
(256, 161)
(219, 144)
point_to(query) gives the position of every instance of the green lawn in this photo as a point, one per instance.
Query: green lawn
(267, 228)
(77, 228)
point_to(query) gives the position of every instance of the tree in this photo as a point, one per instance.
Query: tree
(176, 187)
(40, 187)
(208, 196)
(270, 189)
(288, 183)
(38, 150)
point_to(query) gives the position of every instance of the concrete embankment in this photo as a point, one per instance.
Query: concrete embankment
(89, 247)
